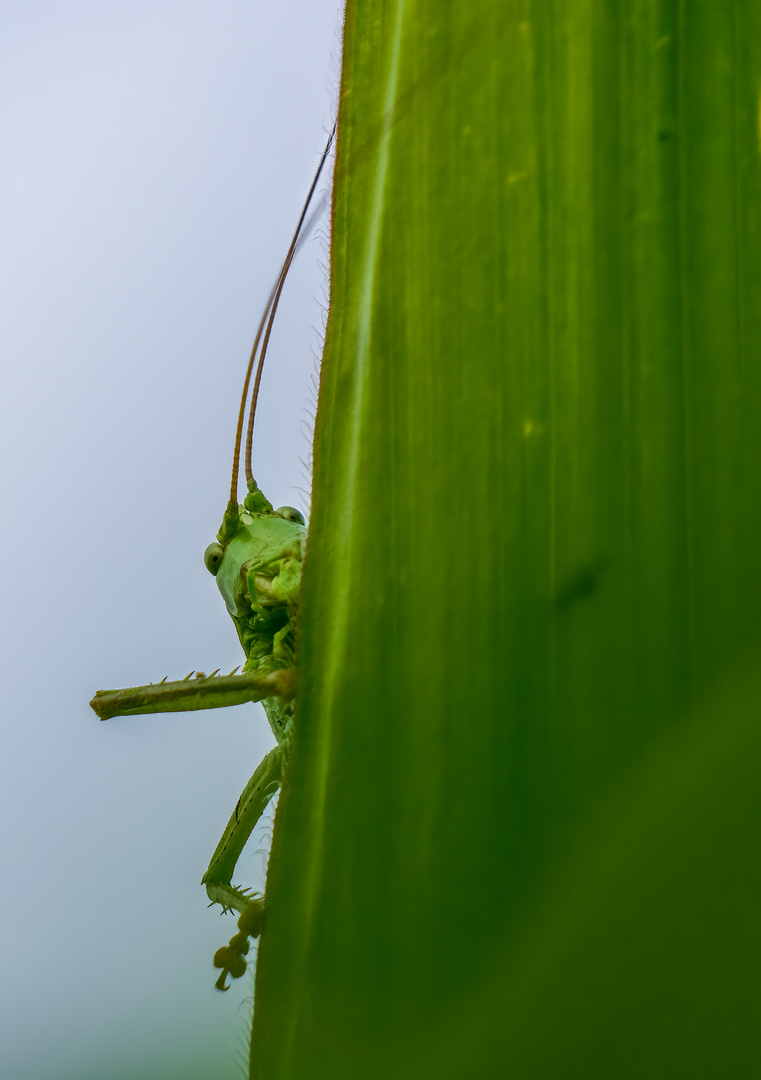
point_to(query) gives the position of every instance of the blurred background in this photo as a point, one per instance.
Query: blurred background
(155, 158)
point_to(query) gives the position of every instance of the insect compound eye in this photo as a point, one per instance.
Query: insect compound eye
(290, 513)
(212, 558)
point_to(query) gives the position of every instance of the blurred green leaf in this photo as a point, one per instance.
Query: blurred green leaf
(535, 555)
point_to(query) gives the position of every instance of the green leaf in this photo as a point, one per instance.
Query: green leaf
(535, 555)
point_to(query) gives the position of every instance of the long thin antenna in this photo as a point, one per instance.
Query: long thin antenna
(276, 300)
(269, 310)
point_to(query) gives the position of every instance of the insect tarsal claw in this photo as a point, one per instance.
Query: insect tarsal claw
(230, 959)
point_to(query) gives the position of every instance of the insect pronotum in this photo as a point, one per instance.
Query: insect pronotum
(257, 560)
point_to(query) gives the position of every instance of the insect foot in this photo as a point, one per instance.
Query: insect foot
(231, 956)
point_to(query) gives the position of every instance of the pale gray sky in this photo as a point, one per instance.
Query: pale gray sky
(155, 157)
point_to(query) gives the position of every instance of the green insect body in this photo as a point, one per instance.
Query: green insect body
(257, 562)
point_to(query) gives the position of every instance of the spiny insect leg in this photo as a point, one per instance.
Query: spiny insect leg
(217, 879)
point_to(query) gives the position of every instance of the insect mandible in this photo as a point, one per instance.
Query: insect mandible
(257, 561)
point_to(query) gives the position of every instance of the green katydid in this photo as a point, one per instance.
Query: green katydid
(257, 560)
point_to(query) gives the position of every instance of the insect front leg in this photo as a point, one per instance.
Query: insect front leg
(218, 878)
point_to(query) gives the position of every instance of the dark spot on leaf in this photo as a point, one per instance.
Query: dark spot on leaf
(581, 586)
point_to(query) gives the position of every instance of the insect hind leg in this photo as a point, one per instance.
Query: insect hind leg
(218, 878)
